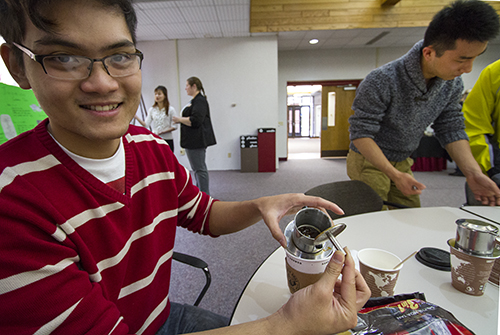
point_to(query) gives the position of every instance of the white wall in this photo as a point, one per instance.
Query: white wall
(346, 64)
(159, 68)
(240, 79)
(250, 73)
(5, 76)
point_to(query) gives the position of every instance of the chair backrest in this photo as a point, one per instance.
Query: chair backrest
(353, 196)
(197, 263)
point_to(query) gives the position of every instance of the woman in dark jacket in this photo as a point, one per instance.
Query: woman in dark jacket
(196, 131)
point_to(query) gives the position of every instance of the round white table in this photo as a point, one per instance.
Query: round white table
(401, 232)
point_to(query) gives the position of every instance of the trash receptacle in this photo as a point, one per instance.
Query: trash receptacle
(267, 149)
(249, 153)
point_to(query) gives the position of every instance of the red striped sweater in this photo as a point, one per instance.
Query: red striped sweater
(78, 257)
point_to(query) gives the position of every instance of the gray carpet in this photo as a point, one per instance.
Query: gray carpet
(233, 259)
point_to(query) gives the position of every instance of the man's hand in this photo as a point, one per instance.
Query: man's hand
(373, 154)
(484, 189)
(328, 306)
(407, 184)
(274, 208)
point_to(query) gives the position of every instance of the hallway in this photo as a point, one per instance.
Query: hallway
(304, 148)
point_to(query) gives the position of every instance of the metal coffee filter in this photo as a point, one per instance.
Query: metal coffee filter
(475, 236)
(309, 223)
(306, 235)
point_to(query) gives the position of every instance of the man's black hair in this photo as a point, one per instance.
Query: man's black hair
(469, 20)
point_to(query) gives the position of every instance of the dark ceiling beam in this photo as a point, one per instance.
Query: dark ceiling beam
(389, 2)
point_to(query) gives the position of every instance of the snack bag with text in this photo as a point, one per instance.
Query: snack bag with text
(411, 316)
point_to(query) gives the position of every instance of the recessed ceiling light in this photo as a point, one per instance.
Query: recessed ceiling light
(313, 41)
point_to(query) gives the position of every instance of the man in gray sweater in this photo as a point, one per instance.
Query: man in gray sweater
(396, 102)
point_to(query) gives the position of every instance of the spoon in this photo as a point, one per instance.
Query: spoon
(329, 234)
(404, 260)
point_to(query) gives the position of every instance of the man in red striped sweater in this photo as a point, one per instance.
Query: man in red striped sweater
(89, 205)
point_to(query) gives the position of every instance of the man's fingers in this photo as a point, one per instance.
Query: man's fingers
(333, 207)
(421, 186)
(277, 234)
(416, 188)
(332, 271)
(491, 201)
(348, 288)
(318, 202)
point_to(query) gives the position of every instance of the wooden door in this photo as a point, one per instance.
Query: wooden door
(335, 111)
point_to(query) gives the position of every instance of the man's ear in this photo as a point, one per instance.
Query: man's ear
(428, 52)
(16, 70)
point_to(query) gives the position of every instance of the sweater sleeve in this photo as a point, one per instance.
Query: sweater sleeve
(194, 205)
(478, 110)
(449, 125)
(370, 104)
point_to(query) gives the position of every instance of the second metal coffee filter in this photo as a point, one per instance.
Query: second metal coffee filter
(475, 236)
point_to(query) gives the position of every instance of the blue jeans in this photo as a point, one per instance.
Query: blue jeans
(189, 319)
(196, 158)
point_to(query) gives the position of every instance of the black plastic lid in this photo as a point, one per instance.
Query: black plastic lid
(435, 258)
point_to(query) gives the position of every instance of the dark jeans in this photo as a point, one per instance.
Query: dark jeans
(170, 144)
(196, 159)
(185, 319)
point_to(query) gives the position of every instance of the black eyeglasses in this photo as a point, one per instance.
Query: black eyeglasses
(70, 67)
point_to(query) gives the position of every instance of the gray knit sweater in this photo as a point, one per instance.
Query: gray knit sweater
(393, 106)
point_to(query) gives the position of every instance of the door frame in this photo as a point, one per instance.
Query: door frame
(346, 82)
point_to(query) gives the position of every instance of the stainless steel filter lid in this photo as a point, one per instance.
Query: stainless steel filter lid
(477, 225)
(323, 251)
(475, 236)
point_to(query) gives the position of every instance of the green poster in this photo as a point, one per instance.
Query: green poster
(19, 111)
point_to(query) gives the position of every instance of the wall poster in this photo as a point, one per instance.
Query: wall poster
(19, 111)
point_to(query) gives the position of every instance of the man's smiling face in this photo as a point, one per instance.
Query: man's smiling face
(87, 116)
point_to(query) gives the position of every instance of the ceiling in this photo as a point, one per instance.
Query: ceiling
(189, 19)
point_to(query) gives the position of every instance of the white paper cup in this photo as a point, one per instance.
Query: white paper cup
(377, 268)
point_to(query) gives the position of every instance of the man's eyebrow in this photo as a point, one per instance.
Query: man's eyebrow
(464, 57)
(118, 45)
(54, 41)
(49, 40)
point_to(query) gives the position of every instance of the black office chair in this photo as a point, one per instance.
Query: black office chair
(197, 263)
(353, 196)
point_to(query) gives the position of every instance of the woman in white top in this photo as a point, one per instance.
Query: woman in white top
(160, 117)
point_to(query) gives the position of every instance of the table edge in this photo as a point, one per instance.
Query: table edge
(248, 283)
